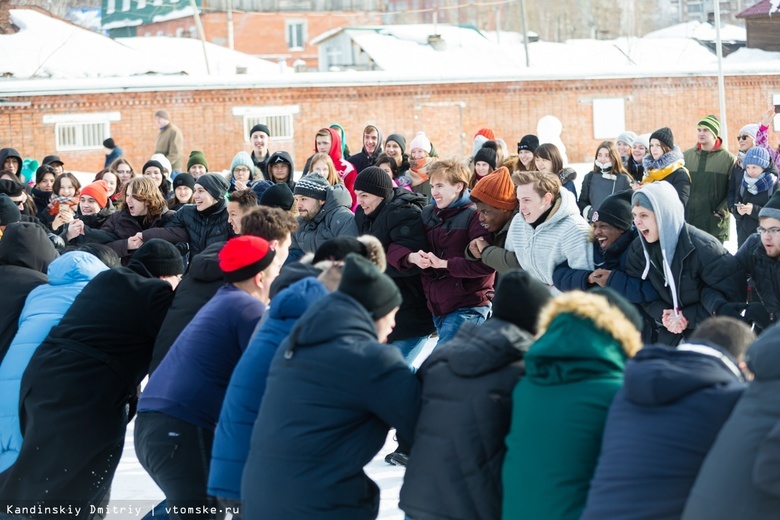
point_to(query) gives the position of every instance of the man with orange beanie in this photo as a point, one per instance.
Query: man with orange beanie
(496, 205)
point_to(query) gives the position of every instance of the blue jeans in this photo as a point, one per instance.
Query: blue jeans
(411, 347)
(448, 325)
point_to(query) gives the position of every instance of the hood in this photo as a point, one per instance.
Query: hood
(292, 302)
(6, 153)
(283, 157)
(292, 273)
(337, 317)
(670, 157)
(379, 141)
(763, 356)
(567, 174)
(660, 375)
(337, 197)
(479, 350)
(670, 218)
(75, 266)
(403, 197)
(25, 244)
(335, 146)
(204, 267)
(581, 337)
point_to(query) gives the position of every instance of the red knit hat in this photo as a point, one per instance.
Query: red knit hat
(496, 189)
(486, 133)
(245, 256)
(98, 190)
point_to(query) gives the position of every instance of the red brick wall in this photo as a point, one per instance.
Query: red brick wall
(263, 34)
(512, 109)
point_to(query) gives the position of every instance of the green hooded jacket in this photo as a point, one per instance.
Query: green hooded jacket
(710, 175)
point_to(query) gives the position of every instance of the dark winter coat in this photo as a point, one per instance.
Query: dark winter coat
(463, 283)
(559, 408)
(706, 276)
(567, 176)
(247, 386)
(202, 230)
(597, 186)
(261, 165)
(454, 470)
(613, 259)
(95, 221)
(398, 225)
(76, 389)
(41, 199)
(495, 255)
(121, 225)
(739, 478)
(635, 169)
(746, 224)
(333, 220)
(765, 273)
(332, 394)
(115, 154)
(664, 169)
(190, 382)
(274, 158)
(199, 285)
(707, 208)
(25, 255)
(647, 468)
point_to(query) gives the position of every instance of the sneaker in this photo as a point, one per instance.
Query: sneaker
(396, 458)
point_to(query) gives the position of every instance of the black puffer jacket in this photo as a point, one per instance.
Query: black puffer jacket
(203, 227)
(459, 440)
(203, 279)
(765, 273)
(121, 225)
(398, 221)
(25, 255)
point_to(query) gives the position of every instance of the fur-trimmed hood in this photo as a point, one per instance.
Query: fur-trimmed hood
(673, 155)
(582, 336)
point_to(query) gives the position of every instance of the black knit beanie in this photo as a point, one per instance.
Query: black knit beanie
(397, 138)
(529, 142)
(664, 135)
(376, 181)
(616, 210)
(9, 211)
(161, 258)
(156, 164)
(184, 179)
(278, 196)
(487, 154)
(519, 298)
(375, 291)
(215, 184)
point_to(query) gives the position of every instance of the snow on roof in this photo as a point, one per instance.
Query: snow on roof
(131, 21)
(701, 31)
(50, 47)
(763, 8)
(187, 53)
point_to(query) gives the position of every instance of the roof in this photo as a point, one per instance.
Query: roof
(762, 8)
(701, 31)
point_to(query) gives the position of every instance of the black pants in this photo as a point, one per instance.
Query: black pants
(177, 454)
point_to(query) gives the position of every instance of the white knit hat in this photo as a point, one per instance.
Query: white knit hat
(422, 142)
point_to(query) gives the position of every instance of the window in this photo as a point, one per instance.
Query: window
(125, 5)
(81, 131)
(110, 6)
(609, 117)
(279, 120)
(296, 34)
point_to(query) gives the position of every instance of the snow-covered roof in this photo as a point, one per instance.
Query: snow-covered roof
(762, 8)
(187, 53)
(133, 19)
(701, 31)
(46, 47)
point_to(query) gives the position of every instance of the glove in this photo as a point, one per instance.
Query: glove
(756, 313)
(733, 309)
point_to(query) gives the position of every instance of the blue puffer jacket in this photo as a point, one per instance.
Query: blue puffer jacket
(43, 309)
(247, 386)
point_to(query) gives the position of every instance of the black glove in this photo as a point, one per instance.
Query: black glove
(733, 309)
(757, 313)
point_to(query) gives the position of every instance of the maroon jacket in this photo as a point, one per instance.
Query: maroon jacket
(449, 231)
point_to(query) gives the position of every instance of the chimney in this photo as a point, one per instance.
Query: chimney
(5, 18)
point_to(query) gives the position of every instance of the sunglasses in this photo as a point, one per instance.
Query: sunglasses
(743, 137)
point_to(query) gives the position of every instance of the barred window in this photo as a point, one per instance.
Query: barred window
(81, 131)
(279, 120)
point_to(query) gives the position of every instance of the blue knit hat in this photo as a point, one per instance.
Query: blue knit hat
(757, 156)
(242, 159)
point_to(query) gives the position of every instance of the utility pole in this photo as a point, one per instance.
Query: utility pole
(721, 84)
(521, 5)
(196, 15)
(230, 23)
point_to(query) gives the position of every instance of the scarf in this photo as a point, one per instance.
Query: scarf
(661, 173)
(759, 184)
(605, 169)
(56, 200)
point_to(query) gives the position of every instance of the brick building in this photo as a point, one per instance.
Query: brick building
(71, 119)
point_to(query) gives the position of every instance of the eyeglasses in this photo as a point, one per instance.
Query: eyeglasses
(742, 137)
(775, 231)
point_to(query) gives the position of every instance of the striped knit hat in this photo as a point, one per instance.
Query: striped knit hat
(712, 124)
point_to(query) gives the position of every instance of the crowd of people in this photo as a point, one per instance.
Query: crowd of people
(597, 355)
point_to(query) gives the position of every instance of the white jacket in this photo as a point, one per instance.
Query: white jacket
(563, 237)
